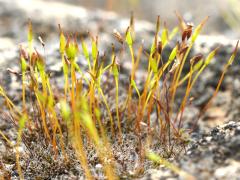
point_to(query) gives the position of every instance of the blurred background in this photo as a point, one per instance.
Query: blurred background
(105, 15)
(224, 14)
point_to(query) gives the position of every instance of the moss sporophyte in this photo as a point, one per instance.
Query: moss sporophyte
(88, 113)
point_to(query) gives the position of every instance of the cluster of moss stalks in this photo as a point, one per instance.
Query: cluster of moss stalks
(80, 105)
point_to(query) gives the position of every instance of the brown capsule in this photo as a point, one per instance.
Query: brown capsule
(23, 53)
(183, 49)
(132, 20)
(196, 58)
(66, 60)
(154, 54)
(60, 28)
(187, 32)
(113, 48)
(159, 48)
(34, 59)
(118, 36)
(40, 58)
